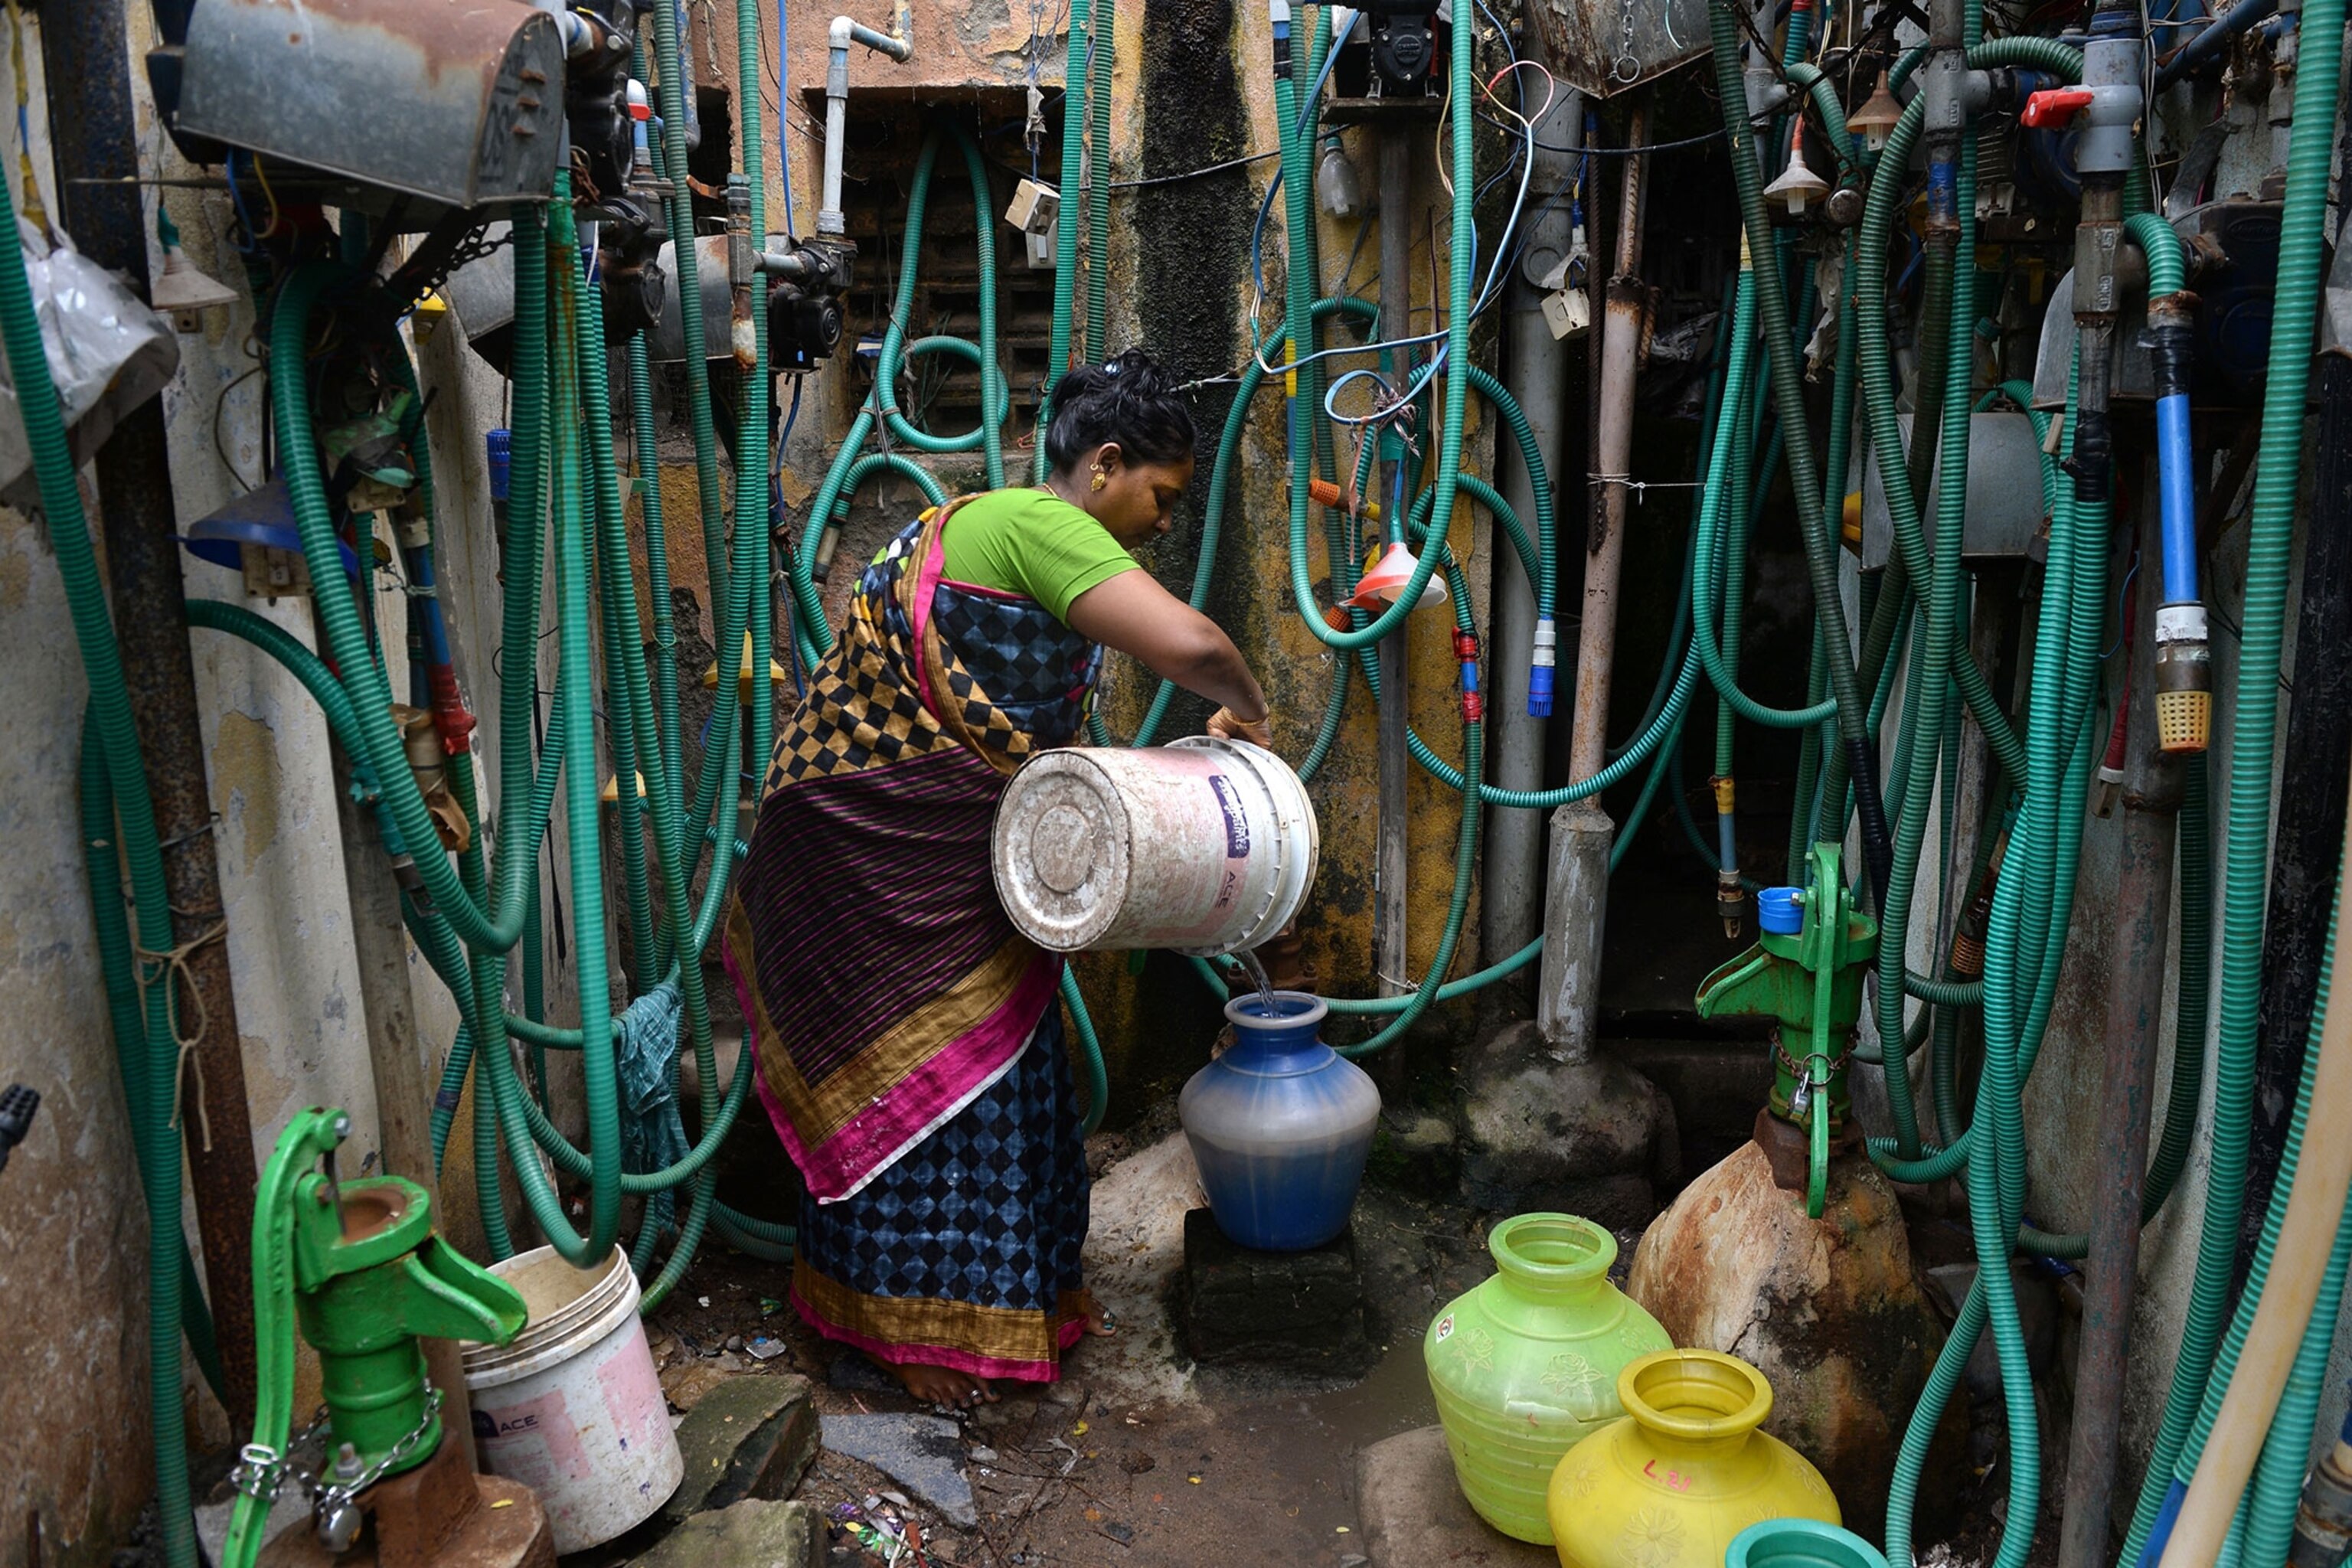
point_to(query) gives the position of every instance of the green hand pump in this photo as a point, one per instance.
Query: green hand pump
(1804, 971)
(358, 1264)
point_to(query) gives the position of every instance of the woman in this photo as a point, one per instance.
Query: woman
(909, 1041)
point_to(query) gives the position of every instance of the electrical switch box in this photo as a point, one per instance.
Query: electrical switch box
(1034, 206)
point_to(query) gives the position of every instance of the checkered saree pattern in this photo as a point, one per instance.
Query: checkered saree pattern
(885, 984)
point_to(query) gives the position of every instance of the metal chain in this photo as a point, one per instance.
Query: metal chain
(261, 1472)
(1803, 1070)
(1626, 67)
(341, 1489)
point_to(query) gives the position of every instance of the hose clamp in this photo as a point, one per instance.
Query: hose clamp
(259, 1473)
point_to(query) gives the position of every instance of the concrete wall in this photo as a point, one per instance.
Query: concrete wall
(74, 1455)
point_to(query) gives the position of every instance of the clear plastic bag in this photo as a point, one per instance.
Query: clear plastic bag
(109, 352)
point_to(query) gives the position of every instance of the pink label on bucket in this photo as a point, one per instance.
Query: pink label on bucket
(534, 1442)
(632, 1396)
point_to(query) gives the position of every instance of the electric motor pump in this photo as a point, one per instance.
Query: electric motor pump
(596, 95)
(1404, 41)
(804, 316)
(1395, 50)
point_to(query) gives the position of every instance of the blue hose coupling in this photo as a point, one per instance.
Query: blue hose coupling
(1943, 190)
(1540, 668)
(498, 445)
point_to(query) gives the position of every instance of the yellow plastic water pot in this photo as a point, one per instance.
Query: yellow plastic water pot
(1526, 1364)
(1683, 1472)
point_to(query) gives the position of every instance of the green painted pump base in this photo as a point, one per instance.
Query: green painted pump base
(370, 1278)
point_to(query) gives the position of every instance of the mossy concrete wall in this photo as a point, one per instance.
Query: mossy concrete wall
(1193, 85)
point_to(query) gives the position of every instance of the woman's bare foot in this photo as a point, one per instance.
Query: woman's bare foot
(1098, 1316)
(941, 1385)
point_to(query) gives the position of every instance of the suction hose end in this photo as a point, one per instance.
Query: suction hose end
(2184, 681)
(1541, 669)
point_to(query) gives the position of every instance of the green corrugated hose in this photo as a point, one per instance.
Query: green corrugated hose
(2270, 529)
(138, 989)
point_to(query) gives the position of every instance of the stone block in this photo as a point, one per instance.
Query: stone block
(923, 1454)
(1828, 1310)
(1413, 1152)
(1547, 1128)
(749, 1436)
(1416, 1516)
(1302, 1310)
(756, 1533)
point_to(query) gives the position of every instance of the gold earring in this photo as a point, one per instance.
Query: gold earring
(1101, 479)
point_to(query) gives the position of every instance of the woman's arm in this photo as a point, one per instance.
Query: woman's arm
(1133, 614)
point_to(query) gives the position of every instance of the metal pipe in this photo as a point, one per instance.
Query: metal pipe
(1391, 956)
(1511, 887)
(94, 140)
(2153, 784)
(1604, 548)
(2212, 38)
(899, 44)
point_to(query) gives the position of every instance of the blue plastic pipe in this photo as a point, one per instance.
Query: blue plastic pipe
(2177, 490)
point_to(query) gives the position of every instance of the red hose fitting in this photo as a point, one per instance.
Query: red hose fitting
(1473, 707)
(1466, 646)
(450, 715)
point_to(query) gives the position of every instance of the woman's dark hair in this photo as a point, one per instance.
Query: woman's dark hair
(1128, 400)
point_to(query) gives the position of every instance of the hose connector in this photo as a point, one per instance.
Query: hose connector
(497, 453)
(1466, 653)
(2323, 1525)
(1730, 897)
(1542, 661)
(2184, 679)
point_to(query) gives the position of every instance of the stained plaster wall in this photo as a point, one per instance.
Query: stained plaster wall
(74, 1454)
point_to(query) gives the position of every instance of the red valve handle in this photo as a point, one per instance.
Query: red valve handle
(2056, 107)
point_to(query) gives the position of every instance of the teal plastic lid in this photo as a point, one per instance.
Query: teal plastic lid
(1801, 1544)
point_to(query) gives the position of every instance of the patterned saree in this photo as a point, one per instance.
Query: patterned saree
(909, 1039)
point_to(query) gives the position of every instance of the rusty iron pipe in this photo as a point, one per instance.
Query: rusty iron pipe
(94, 140)
(1604, 548)
(2152, 795)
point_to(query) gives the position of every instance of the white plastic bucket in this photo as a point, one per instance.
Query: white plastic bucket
(571, 1406)
(1205, 846)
